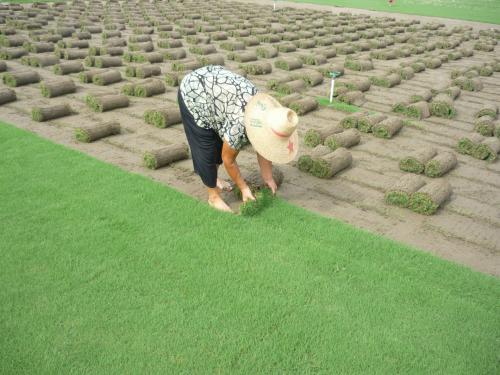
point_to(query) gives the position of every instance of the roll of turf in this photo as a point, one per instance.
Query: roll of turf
(50, 112)
(359, 65)
(467, 145)
(185, 66)
(430, 197)
(468, 84)
(41, 61)
(162, 118)
(88, 76)
(287, 100)
(174, 54)
(57, 87)
(93, 133)
(128, 89)
(453, 92)
(257, 68)
(440, 164)
(366, 123)
(287, 88)
(304, 163)
(418, 67)
(352, 121)
(314, 137)
(202, 49)
(112, 51)
(312, 78)
(419, 110)
(107, 61)
(233, 46)
(159, 158)
(390, 80)
(107, 78)
(415, 162)
(304, 105)
(288, 63)
(15, 79)
(485, 126)
(359, 84)
(388, 127)
(68, 68)
(74, 54)
(145, 71)
(242, 57)
(7, 96)
(3, 66)
(433, 63)
(319, 151)
(488, 149)
(400, 107)
(442, 106)
(424, 95)
(490, 109)
(263, 198)
(103, 103)
(352, 97)
(399, 194)
(148, 88)
(267, 52)
(406, 73)
(329, 165)
(130, 71)
(347, 138)
(210, 60)
(173, 78)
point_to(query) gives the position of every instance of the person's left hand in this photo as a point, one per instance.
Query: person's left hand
(272, 185)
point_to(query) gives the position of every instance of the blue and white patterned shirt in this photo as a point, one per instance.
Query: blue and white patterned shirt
(217, 97)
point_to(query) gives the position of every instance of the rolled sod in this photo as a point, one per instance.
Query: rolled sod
(357, 84)
(107, 61)
(325, 70)
(50, 112)
(103, 103)
(330, 164)
(418, 67)
(453, 92)
(107, 78)
(352, 97)
(57, 87)
(304, 105)
(263, 199)
(311, 78)
(174, 54)
(185, 66)
(319, 151)
(360, 65)
(347, 138)
(41, 61)
(415, 162)
(289, 99)
(486, 71)
(287, 88)
(93, 133)
(130, 71)
(257, 68)
(388, 127)
(428, 198)
(390, 80)
(399, 194)
(433, 63)
(68, 68)
(267, 52)
(352, 121)
(242, 57)
(162, 157)
(288, 63)
(468, 84)
(304, 163)
(88, 76)
(419, 110)
(313, 59)
(400, 107)
(366, 123)
(202, 49)
(488, 149)
(3, 66)
(15, 79)
(128, 89)
(485, 126)
(467, 145)
(151, 57)
(89, 61)
(314, 137)
(145, 71)
(406, 73)
(490, 109)
(149, 88)
(162, 118)
(74, 54)
(440, 164)
(12, 53)
(210, 60)
(442, 106)
(7, 96)
(233, 46)
(173, 78)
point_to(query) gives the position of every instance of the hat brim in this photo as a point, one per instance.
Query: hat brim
(273, 147)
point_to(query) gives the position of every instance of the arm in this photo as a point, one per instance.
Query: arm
(229, 158)
(266, 171)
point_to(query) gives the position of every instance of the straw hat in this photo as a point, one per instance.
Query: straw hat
(272, 129)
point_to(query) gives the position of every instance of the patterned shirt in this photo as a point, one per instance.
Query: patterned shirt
(217, 98)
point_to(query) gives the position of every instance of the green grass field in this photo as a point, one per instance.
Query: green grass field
(482, 11)
(108, 272)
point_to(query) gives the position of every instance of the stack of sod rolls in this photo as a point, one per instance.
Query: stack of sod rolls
(162, 118)
(95, 132)
(411, 191)
(479, 147)
(484, 123)
(155, 159)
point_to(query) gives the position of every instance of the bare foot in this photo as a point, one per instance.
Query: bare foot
(224, 185)
(219, 204)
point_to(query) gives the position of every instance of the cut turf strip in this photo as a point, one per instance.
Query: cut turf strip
(399, 194)
(92, 133)
(162, 157)
(430, 197)
(50, 112)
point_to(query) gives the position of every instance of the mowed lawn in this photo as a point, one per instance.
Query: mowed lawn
(108, 272)
(473, 10)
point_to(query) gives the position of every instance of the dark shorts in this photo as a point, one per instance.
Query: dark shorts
(205, 145)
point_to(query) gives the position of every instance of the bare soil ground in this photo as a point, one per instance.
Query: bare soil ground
(465, 230)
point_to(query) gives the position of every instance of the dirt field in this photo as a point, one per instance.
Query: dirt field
(466, 229)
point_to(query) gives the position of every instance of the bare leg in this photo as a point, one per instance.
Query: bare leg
(215, 200)
(223, 185)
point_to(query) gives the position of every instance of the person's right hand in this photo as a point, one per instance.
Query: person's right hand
(246, 194)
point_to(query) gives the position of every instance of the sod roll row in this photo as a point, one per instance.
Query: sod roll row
(167, 155)
(479, 147)
(95, 132)
(314, 137)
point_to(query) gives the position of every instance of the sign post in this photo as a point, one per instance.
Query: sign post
(333, 75)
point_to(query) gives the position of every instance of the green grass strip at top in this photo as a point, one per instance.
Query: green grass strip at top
(344, 107)
(481, 11)
(109, 272)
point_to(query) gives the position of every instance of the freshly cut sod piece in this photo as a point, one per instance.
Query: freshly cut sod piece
(360, 65)
(210, 60)
(74, 54)
(287, 100)
(151, 57)
(12, 53)
(288, 63)
(169, 43)
(68, 68)
(311, 77)
(107, 61)
(57, 87)
(233, 46)
(415, 162)
(419, 110)
(313, 59)
(399, 194)
(347, 138)
(485, 126)
(287, 88)
(352, 97)
(273, 83)
(388, 127)
(357, 84)
(113, 51)
(366, 123)
(173, 78)
(488, 149)
(263, 199)
(130, 71)
(330, 164)
(304, 105)
(440, 164)
(88, 76)
(103, 103)
(467, 145)
(93, 133)
(304, 163)
(433, 63)
(267, 52)
(149, 88)
(314, 137)
(174, 54)
(468, 84)
(242, 57)
(400, 107)
(41, 61)
(16, 79)
(390, 80)
(257, 68)
(7, 96)
(490, 109)
(162, 118)
(128, 89)
(442, 106)
(185, 66)
(352, 121)
(164, 156)
(453, 92)
(3, 66)
(205, 49)
(107, 78)
(50, 112)
(430, 197)
(145, 71)
(327, 69)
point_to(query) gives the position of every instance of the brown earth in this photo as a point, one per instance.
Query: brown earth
(466, 230)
